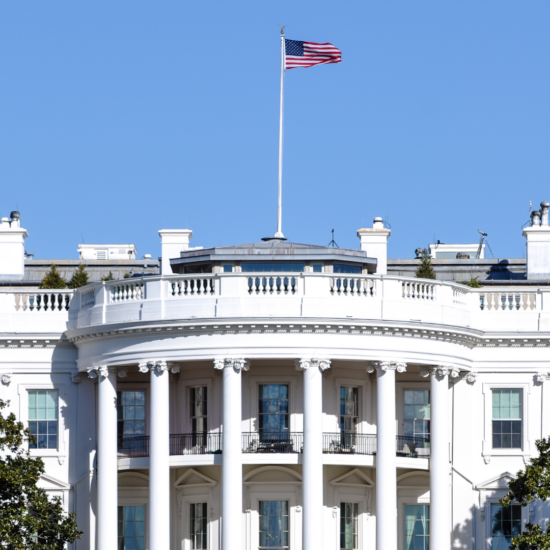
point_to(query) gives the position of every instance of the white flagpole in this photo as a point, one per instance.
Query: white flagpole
(279, 233)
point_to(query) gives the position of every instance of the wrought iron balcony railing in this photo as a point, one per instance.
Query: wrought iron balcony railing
(275, 442)
(180, 444)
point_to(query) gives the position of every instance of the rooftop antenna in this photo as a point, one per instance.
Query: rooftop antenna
(333, 242)
(483, 238)
(82, 235)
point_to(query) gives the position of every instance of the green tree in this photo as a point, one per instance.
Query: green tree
(53, 279)
(108, 277)
(425, 269)
(79, 278)
(531, 484)
(472, 283)
(28, 518)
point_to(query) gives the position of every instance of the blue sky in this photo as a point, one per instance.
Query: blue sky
(120, 118)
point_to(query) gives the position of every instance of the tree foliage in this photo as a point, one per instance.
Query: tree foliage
(79, 278)
(53, 279)
(425, 269)
(532, 484)
(472, 283)
(28, 518)
(108, 277)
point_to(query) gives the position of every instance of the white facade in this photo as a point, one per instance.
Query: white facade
(308, 377)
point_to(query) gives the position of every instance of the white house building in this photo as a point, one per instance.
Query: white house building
(276, 395)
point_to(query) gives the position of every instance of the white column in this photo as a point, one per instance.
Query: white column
(232, 468)
(386, 473)
(159, 454)
(440, 493)
(312, 465)
(107, 466)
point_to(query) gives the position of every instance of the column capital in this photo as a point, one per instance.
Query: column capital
(237, 364)
(6, 378)
(305, 363)
(99, 372)
(384, 366)
(158, 365)
(440, 371)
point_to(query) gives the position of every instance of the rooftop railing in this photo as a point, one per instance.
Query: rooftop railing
(288, 295)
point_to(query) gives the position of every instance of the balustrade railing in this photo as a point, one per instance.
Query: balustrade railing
(43, 300)
(273, 284)
(127, 291)
(193, 286)
(352, 286)
(88, 298)
(413, 290)
(508, 301)
(272, 442)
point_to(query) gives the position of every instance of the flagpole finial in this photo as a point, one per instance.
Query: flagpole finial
(282, 29)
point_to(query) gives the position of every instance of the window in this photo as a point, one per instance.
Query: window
(507, 428)
(43, 418)
(417, 414)
(344, 268)
(198, 526)
(130, 414)
(317, 268)
(199, 415)
(505, 524)
(227, 268)
(274, 525)
(417, 527)
(254, 267)
(131, 528)
(349, 414)
(348, 526)
(273, 411)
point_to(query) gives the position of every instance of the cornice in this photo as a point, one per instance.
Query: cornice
(34, 342)
(456, 335)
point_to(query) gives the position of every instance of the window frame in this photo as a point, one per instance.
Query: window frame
(487, 446)
(400, 388)
(57, 419)
(254, 383)
(183, 417)
(362, 497)
(365, 406)
(260, 414)
(487, 502)
(132, 386)
(136, 386)
(23, 392)
(136, 502)
(185, 500)
(408, 496)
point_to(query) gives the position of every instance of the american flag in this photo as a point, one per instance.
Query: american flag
(307, 54)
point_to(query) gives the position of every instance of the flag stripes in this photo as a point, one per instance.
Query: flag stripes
(307, 54)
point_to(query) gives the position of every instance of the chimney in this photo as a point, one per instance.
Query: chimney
(12, 248)
(538, 244)
(173, 242)
(375, 243)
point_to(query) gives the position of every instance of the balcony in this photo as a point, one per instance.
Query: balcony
(288, 443)
(211, 297)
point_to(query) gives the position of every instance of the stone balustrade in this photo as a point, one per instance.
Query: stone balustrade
(279, 295)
